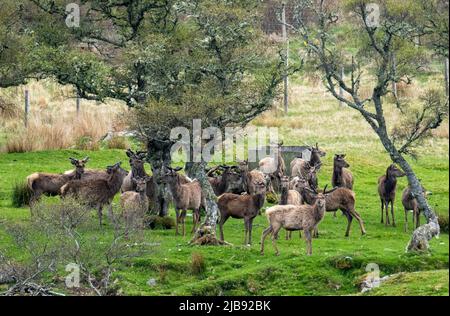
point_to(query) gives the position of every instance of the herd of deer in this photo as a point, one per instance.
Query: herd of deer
(240, 193)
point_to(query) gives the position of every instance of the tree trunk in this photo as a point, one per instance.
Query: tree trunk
(206, 233)
(422, 235)
(159, 157)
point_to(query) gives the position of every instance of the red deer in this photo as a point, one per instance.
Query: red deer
(97, 192)
(50, 183)
(242, 206)
(296, 217)
(410, 204)
(387, 184)
(186, 196)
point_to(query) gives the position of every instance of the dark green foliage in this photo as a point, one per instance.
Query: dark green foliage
(158, 222)
(21, 194)
(443, 222)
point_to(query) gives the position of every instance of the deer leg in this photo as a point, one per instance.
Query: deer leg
(349, 223)
(177, 217)
(355, 214)
(386, 208)
(266, 232)
(274, 239)
(250, 227)
(308, 238)
(183, 222)
(406, 220)
(392, 213)
(246, 229)
(100, 214)
(382, 211)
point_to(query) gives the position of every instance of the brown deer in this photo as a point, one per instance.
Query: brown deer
(342, 177)
(245, 206)
(289, 197)
(97, 192)
(135, 203)
(410, 203)
(296, 217)
(300, 166)
(274, 167)
(340, 199)
(387, 184)
(186, 196)
(50, 184)
(137, 161)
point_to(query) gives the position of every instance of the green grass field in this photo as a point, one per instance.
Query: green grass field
(337, 262)
(241, 270)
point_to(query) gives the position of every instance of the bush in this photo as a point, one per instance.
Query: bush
(443, 222)
(117, 142)
(86, 143)
(158, 222)
(198, 265)
(21, 194)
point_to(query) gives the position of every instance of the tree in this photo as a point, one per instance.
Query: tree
(376, 46)
(15, 41)
(171, 61)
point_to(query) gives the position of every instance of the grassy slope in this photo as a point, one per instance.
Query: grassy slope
(241, 270)
(423, 283)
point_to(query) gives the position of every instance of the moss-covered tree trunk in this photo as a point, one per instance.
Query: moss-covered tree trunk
(159, 157)
(206, 233)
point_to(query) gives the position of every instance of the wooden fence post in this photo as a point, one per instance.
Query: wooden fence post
(27, 107)
(78, 105)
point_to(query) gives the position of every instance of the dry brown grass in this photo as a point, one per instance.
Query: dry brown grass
(53, 122)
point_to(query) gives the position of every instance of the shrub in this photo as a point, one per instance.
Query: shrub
(21, 194)
(198, 265)
(117, 142)
(86, 143)
(158, 222)
(443, 222)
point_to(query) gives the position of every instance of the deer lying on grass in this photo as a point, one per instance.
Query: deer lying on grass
(387, 184)
(296, 217)
(410, 204)
(50, 183)
(242, 206)
(340, 199)
(289, 197)
(97, 192)
(186, 196)
(135, 204)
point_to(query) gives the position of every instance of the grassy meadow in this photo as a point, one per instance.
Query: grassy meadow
(337, 263)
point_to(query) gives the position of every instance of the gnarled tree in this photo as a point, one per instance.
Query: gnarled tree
(376, 45)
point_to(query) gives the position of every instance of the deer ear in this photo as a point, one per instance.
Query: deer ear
(86, 159)
(73, 161)
(130, 153)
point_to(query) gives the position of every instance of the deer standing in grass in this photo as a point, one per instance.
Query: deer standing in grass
(50, 184)
(387, 185)
(135, 204)
(296, 217)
